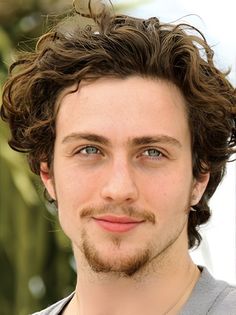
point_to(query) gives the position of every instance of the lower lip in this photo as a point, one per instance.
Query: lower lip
(116, 226)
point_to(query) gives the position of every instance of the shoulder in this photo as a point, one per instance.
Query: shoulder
(56, 308)
(225, 302)
(211, 296)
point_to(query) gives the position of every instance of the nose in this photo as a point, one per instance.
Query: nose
(120, 186)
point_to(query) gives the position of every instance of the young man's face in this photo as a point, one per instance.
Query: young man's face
(122, 172)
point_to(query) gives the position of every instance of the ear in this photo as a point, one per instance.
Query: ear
(199, 186)
(47, 179)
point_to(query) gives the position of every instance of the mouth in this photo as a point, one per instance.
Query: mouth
(117, 224)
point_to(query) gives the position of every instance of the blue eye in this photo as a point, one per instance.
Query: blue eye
(90, 150)
(154, 153)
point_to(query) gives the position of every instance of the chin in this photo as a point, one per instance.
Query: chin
(115, 260)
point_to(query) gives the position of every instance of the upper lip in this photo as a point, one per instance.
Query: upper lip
(116, 219)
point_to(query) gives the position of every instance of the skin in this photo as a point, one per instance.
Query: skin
(126, 151)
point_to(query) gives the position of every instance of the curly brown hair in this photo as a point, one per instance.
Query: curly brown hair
(122, 46)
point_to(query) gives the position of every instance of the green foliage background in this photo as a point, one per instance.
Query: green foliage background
(34, 253)
(36, 262)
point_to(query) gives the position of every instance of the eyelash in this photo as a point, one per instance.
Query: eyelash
(142, 154)
(88, 147)
(155, 157)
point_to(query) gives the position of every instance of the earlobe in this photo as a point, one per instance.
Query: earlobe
(199, 186)
(47, 179)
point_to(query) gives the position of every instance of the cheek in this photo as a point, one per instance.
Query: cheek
(75, 190)
(73, 185)
(168, 192)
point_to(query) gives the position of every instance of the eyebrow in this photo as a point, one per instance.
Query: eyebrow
(137, 141)
(86, 136)
(156, 139)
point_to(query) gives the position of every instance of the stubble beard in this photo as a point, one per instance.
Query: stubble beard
(122, 267)
(151, 256)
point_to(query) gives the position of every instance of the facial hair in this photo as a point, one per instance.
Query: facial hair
(130, 265)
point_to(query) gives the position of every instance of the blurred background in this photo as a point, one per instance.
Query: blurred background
(36, 263)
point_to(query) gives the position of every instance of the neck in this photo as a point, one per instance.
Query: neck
(163, 291)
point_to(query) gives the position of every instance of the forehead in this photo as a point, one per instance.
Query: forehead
(123, 108)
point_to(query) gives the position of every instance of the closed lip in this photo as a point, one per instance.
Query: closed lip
(116, 219)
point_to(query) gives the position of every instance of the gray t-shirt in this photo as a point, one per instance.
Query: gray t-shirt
(209, 296)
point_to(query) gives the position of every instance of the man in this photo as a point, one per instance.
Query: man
(130, 125)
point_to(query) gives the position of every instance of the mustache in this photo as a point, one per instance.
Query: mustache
(134, 212)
